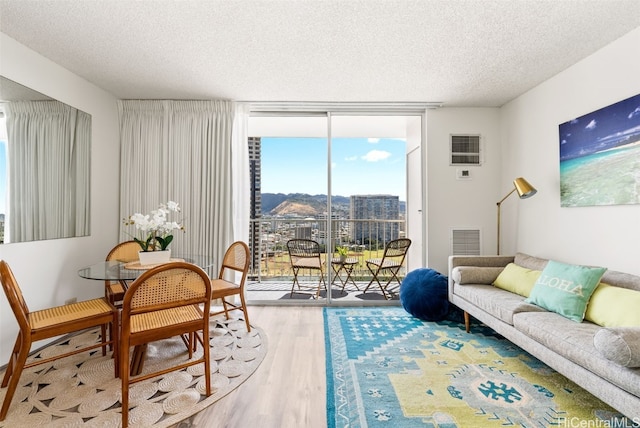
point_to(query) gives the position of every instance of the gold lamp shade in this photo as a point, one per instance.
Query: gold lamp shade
(524, 190)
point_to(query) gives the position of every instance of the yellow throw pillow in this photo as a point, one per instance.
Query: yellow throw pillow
(517, 279)
(611, 306)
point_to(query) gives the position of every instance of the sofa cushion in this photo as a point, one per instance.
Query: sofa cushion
(475, 274)
(575, 342)
(614, 307)
(531, 262)
(517, 279)
(620, 345)
(499, 303)
(565, 289)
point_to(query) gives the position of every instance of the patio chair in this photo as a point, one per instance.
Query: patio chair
(50, 323)
(236, 259)
(392, 259)
(169, 300)
(305, 254)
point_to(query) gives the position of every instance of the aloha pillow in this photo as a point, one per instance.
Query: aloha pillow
(565, 289)
(517, 279)
(611, 306)
(620, 345)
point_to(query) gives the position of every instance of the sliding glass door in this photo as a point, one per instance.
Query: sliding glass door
(336, 179)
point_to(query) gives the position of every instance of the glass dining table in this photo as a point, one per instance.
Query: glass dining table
(127, 272)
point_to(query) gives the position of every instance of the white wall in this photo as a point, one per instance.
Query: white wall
(607, 236)
(454, 203)
(47, 270)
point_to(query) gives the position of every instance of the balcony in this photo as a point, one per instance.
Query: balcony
(270, 273)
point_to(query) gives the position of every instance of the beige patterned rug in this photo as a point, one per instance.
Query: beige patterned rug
(81, 391)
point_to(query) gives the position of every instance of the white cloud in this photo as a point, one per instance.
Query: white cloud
(351, 158)
(376, 155)
(591, 125)
(333, 165)
(373, 140)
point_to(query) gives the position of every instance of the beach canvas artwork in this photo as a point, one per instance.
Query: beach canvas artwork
(600, 156)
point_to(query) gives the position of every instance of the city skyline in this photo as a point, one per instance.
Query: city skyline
(358, 166)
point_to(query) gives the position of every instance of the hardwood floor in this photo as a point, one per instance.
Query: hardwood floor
(289, 387)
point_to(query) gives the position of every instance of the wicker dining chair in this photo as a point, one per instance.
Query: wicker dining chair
(305, 254)
(123, 252)
(236, 259)
(50, 323)
(392, 259)
(169, 300)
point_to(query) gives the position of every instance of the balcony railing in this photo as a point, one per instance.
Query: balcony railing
(365, 239)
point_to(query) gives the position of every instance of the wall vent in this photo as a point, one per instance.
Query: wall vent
(465, 150)
(465, 242)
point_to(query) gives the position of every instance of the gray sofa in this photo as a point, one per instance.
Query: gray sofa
(575, 349)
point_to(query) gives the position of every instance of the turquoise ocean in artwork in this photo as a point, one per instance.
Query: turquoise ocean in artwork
(609, 177)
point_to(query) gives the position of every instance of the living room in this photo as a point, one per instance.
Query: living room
(521, 139)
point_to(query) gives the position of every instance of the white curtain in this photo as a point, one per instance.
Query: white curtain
(242, 180)
(186, 151)
(49, 163)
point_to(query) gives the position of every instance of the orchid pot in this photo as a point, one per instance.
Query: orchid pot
(154, 257)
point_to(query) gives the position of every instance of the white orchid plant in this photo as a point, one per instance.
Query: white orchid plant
(155, 229)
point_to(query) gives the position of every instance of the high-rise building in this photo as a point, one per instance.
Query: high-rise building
(256, 203)
(375, 208)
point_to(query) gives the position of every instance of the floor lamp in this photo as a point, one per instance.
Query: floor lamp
(524, 189)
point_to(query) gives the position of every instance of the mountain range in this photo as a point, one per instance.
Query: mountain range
(302, 204)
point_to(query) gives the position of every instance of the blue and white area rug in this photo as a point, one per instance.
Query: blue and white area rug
(386, 368)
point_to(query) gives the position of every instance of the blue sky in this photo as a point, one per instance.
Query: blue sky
(358, 166)
(603, 129)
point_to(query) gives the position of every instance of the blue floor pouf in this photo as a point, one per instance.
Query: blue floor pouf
(423, 293)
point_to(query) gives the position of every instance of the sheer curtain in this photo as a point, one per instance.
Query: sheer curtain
(186, 151)
(48, 170)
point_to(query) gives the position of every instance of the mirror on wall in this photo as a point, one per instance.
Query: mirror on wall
(45, 159)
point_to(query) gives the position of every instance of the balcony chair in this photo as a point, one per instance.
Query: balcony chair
(123, 252)
(50, 323)
(169, 300)
(236, 259)
(394, 254)
(305, 254)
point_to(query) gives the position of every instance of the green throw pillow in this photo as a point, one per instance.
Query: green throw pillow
(614, 307)
(565, 289)
(517, 279)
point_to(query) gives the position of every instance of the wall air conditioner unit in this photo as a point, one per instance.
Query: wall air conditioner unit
(465, 150)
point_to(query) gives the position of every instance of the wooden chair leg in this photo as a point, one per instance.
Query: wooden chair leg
(12, 361)
(103, 338)
(124, 378)
(226, 310)
(19, 362)
(467, 322)
(244, 311)
(115, 342)
(137, 361)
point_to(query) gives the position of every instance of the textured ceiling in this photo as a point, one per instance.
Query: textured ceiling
(461, 53)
